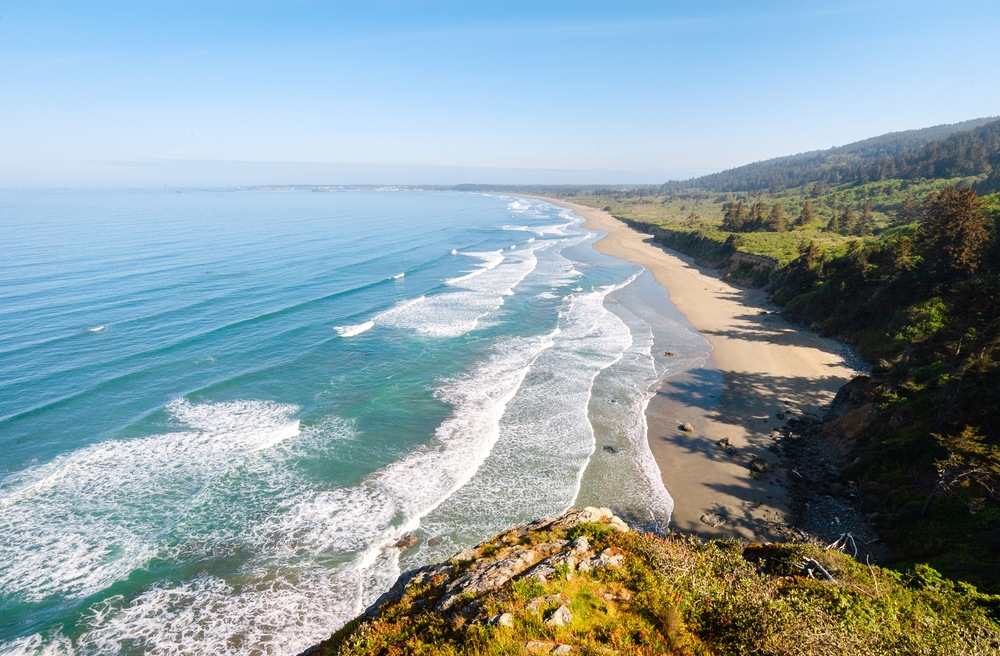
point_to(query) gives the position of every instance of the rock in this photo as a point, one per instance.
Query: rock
(724, 443)
(759, 465)
(538, 603)
(433, 542)
(408, 541)
(503, 619)
(561, 649)
(591, 514)
(713, 519)
(619, 524)
(686, 427)
(464, 555)
(487, 578)
(780, 415)
(610, 449)
(607, 558)
(539, 647)
(559, 617)
(669, 354)
(581, 545)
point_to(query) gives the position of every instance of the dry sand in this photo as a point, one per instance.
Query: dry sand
(767, 368)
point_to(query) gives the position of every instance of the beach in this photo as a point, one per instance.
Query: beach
(762, 371)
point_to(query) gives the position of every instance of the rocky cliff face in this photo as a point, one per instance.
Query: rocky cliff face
(583, 583)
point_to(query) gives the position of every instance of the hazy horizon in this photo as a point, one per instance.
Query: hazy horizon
(224, 92)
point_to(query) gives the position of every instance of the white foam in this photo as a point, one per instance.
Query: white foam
(92, 516)
(477, 295)
(399, 276)
(546, 438)
(96, 329)
(353, 331)
(286, 595)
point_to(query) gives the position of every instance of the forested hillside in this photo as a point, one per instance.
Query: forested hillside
(945, 151)
(898, 254)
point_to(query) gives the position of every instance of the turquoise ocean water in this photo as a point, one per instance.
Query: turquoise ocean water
(220, 410)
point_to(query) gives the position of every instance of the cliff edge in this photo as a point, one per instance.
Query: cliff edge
(584, 583)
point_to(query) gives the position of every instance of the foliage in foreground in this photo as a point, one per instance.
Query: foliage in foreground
(674, 595)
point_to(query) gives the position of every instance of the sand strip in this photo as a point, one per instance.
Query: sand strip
(768, 369)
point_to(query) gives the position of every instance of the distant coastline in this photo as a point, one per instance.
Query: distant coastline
(770, 372)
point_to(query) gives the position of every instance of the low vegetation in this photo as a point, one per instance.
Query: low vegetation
(675, 595)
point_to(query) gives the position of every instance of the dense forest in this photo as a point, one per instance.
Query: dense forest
(946, 151)
(893, 246)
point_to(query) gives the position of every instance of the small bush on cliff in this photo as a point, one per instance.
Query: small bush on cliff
(675, 595)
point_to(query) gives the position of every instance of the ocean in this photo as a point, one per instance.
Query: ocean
(220, 411)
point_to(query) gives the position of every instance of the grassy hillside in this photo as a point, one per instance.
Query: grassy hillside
(579, 585)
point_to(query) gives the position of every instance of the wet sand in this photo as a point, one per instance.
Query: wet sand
(768, 370)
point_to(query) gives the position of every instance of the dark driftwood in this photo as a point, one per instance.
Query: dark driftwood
(812, 566)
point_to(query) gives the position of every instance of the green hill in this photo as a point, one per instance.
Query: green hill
(583, 583)
(944, 151)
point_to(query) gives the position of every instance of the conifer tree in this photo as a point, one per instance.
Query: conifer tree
(848, 221)
(864, 225)
(807, 214)
(776, 221)
(907, 212)
(954, 232)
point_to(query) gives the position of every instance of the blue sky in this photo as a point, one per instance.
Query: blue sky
(209, 92)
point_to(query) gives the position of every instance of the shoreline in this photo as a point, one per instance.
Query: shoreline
(770, 371)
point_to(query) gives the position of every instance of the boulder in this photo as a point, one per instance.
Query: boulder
(408, 541)
(559, 617)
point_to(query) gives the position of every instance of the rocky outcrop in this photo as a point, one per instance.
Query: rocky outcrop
(511, 555)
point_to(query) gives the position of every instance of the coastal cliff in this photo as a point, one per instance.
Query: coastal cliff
(584, 583)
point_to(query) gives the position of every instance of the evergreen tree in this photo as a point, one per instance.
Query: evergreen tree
(864, 225)
(848, 221)
(954, 232)
(758, 216)
(776, 221)
(735, 216)
(807, 214)
(907, 212)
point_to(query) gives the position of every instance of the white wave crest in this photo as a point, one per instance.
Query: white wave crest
(90, 517)
(353, 331)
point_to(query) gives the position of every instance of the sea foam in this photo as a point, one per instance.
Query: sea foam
(87, 519)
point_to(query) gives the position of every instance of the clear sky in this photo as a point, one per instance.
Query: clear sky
(209, 92)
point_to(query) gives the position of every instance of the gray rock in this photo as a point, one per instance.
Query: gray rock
(759, 465)
(559, 617)
(713, 519)
(686, 427)
(504, 619)
(561, 649)
(591, 514)
(607, 558)
(486, 578)
(538, 603)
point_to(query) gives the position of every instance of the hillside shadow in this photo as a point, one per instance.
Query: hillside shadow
(734, 398)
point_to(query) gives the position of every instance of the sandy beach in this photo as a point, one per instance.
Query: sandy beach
(768, 370)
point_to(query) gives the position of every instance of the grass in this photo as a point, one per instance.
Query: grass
(675, 595)
(701, 212)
